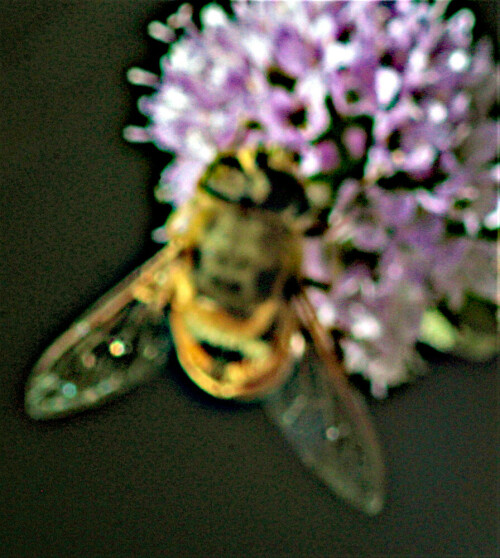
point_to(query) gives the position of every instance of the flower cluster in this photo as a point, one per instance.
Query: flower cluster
(387, 102)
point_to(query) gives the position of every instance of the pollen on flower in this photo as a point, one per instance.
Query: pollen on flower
(175, 98)
(326, 315)
(366, 327)
(387, 85)
(213, 16)
(198, 145)
(385, 103)
(339, 55)
(459, 60)
(437, 112)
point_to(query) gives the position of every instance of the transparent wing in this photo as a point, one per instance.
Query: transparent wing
(326, 423)
(120, 342)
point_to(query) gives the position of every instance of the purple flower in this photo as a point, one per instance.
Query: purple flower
(389, 104)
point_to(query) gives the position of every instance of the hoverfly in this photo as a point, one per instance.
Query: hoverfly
(227, 290)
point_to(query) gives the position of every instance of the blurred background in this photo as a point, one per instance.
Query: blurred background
(165, 472)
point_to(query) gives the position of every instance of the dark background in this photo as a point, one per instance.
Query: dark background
(163, 472)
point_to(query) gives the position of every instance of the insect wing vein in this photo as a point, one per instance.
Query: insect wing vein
(326, 422)
(121, 342)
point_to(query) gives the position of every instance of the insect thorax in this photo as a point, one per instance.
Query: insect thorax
(244, 258)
